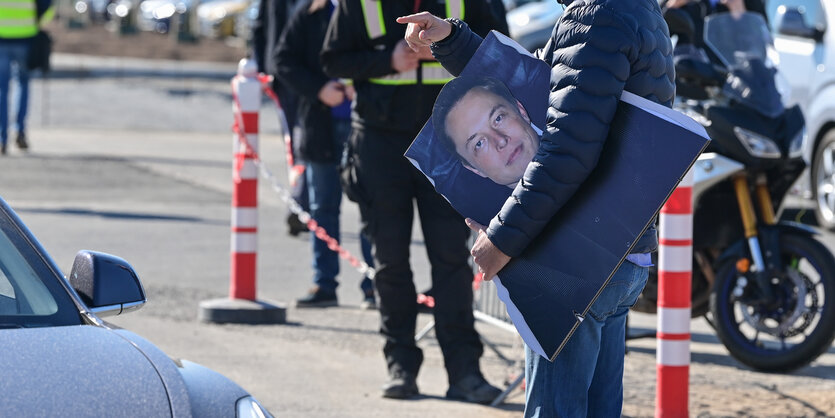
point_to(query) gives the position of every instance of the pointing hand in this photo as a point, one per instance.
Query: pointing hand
(424, 28)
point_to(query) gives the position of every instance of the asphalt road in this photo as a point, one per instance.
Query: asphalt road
(141, 167)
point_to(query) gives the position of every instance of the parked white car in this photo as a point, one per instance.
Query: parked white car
(804, 37)
(531, 22)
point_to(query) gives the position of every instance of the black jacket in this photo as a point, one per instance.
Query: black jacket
(348, 52)
(266, 31)
(598, 48)
(299, 68)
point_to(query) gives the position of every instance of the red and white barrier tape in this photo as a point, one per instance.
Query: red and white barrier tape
(283, 193)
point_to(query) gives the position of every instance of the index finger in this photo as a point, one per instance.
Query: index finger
(414, 18)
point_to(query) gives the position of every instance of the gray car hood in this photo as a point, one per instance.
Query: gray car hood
(77, 371)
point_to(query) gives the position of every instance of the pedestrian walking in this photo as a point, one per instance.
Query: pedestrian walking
(598, 49)
(19, 24)
(324, 111)
(396, 89)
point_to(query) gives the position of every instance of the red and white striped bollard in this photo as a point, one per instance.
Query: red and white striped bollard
(242, 306)
(247, 90)
(675, 264)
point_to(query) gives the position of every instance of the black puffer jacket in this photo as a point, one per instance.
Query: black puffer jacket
(598, 48)
(298, 67)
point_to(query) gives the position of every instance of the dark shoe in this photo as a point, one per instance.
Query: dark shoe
(317, 298)
(294, 225)
(368, 301)
(3, 148)
(21, 141)
(400, 386)
(473, 388)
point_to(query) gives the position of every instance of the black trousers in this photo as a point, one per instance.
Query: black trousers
(390, 186)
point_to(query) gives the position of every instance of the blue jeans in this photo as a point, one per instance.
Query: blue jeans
(325, 193)
(325, 196)
(586, 379)
(13, 55)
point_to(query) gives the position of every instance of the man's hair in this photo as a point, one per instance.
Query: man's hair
(452, 93)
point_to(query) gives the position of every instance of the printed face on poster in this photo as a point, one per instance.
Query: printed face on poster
(481, 122)
(485, 128)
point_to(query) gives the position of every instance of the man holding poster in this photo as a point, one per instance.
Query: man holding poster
(598, 49)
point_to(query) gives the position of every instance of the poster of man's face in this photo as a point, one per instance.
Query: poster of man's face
(485, 128)
(479, 120)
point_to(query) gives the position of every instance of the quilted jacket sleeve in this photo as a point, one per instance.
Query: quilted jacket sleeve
(591, 55)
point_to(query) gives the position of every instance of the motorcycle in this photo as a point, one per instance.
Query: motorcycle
(768, 285)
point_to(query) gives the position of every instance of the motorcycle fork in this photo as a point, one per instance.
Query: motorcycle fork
(764, 200)
(749, 222)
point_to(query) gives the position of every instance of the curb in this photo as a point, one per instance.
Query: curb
(81, 66)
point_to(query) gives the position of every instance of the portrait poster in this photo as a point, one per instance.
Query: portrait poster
(549, 288)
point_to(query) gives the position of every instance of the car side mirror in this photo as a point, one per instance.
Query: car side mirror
(107, 284)
(790, 21)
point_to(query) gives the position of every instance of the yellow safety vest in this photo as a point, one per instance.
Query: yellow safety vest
(431, 72)
(18, 19)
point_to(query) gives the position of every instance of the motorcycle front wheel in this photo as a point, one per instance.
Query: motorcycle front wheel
(788, 334)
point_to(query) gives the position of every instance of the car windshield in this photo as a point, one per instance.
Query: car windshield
(30, 293)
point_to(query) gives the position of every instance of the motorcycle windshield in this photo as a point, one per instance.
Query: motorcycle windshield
(737, 39)
(741, 42)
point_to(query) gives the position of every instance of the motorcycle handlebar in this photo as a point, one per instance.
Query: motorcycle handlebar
(704, 73)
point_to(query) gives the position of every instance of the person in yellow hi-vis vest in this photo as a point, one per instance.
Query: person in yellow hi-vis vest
(19, 24)
(395, 91)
